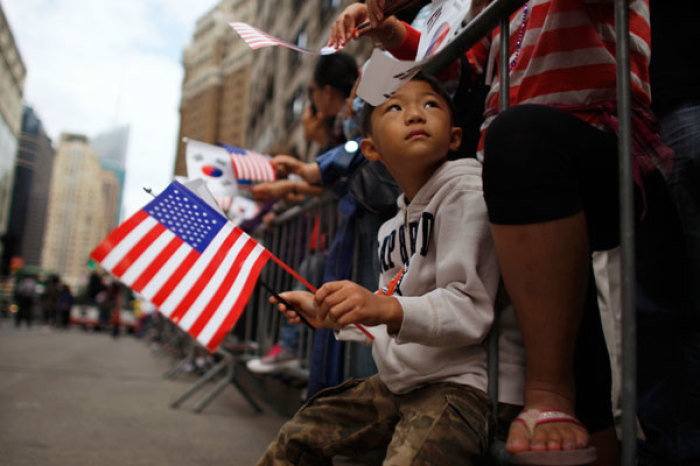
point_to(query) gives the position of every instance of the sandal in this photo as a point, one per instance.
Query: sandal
(532, 418)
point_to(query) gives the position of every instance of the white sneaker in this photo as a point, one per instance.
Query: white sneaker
(275, 360)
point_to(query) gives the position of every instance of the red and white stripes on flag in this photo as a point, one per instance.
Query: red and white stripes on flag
(255, 38)
(252, 168)
(188, 260)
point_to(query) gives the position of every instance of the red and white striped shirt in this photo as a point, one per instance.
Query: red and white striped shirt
(567, 60)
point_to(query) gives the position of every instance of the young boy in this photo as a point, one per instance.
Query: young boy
(427, 404)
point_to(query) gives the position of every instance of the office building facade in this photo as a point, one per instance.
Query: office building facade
(216, 81)
(12, 77)
(29, 207)
(76, 218)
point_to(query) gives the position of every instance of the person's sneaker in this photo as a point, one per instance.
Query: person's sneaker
(275, 360)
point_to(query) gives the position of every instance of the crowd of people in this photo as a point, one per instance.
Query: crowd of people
(50, 301)
(54, 298)
(509, 226)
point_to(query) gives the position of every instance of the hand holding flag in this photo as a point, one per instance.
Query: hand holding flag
(189, 261)
(249, 166)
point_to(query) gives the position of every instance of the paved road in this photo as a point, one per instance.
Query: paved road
(77, 398)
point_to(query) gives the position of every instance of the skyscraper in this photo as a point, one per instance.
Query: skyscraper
(111, 148)
(25, 232)
(76, 218)
(12, 75)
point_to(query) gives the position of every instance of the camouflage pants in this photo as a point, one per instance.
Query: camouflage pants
(442, 423)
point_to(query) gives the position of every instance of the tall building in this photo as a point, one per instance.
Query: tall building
(216, 81)
(12, 76)
(111, 148)
(112, 190)
(76, 218)
(25, 232)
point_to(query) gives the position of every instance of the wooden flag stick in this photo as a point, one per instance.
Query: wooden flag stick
(284, 301)
(311, 288)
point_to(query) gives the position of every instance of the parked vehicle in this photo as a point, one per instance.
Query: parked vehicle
(88, 317)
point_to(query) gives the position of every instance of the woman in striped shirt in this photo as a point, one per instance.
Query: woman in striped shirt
(551, 185)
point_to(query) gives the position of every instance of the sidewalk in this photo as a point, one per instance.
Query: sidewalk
(77, 398)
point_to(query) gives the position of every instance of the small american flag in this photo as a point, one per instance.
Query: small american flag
(255, 38)
(186, 259)
(249, 166)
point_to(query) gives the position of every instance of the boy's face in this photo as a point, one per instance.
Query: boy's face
(412, 130)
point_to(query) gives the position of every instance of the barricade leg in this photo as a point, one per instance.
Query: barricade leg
(229, 378)
(211, 373)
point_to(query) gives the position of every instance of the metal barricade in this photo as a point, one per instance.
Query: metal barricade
(297, 235)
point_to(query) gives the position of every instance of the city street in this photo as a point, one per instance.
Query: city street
(69, 397)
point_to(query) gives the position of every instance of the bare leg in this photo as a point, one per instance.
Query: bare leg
(545, 268)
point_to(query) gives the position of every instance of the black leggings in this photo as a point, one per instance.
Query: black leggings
(544, 164)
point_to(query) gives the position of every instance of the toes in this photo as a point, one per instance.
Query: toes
(559, 436)
(545, 438)
(581, 438)
(518, 438)
(568, 441)
(547, 435)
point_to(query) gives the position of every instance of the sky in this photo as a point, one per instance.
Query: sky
(93, 65)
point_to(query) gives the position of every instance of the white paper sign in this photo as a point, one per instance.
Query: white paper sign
(385, 74)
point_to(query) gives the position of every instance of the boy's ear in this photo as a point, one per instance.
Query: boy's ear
(455, 138)
(369, 150)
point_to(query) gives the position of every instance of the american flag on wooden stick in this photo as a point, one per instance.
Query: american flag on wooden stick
(188, 260)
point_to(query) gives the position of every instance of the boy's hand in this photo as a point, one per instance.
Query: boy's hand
(346, 303)
(302, 303)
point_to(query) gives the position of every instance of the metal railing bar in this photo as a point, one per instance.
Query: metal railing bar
(629, 323)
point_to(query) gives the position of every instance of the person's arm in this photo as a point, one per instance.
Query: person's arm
(281, 188)
(286, 164)
(345, 303)
(338, 163)
(459, 311)
(389, 32)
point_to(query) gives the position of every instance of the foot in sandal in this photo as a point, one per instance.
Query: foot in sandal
(541, 436)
